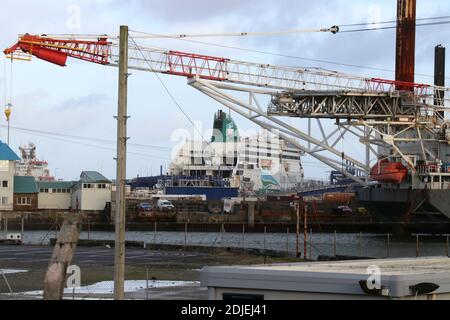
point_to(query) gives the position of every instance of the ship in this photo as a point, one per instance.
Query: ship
(30, 165)
(258, 164)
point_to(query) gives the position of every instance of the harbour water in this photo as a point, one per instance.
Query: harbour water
(320, 244)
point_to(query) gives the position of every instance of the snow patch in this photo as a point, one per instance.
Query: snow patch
(107, 287)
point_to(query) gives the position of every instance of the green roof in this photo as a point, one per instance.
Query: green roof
(25, 185)
(55, 184)
(6, 154)
(93, 177)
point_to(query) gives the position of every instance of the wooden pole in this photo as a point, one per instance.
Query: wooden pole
(122, 118)
(66, 243)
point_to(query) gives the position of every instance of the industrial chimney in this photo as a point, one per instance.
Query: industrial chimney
(439, 76)
(406, 42)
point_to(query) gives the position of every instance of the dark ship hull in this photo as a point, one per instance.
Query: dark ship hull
(406, 205)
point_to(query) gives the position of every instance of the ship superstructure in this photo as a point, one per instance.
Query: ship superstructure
(262, 163)
(30, 165)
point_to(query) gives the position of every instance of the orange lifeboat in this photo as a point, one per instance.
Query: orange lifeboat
(389, 172)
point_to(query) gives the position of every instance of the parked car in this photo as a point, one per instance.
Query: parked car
(165, 205)
(145, 206)
(343, 210)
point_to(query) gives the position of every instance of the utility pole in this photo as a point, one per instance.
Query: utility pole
(122, 118)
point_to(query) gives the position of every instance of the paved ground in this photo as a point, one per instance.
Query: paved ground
(40, 256)
(97, 265)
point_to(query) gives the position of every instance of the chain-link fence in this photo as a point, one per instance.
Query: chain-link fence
(164, 264)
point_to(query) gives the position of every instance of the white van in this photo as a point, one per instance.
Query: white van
(165, 205)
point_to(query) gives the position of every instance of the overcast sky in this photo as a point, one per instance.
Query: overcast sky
(81, 99)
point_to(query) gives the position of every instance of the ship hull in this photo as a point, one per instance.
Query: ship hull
(405, 205)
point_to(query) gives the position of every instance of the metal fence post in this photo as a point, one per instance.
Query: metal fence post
(265, 245)
(146, 280)
(360, 244)
(243, 236)
(89, 229)
(335, 244)
(185, 233)
(388, 245)
(417, 246)
(448, 247)
(287, 241)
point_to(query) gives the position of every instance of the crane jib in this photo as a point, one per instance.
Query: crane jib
(190, 65)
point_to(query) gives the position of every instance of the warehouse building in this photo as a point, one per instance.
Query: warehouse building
(92, 192)
(55, 195)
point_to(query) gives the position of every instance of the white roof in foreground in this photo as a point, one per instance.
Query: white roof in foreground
(388, 267)
(396, 275)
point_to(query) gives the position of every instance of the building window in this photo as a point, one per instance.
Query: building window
(102, 186)
(5, 184)
(4, 201)
(87, 186)
(4, 166)
(24, 201)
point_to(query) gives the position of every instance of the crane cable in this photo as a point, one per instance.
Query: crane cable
(174, 100)
(275, 54)
(333, 30)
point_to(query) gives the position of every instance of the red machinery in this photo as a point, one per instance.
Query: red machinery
(57, 51)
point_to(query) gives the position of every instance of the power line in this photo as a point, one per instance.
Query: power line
(394, 27)
(52, 137)
(391, 21)
(275, 54)
(159, 148)
(334, 29)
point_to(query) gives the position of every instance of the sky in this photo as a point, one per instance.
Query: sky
(81, 99)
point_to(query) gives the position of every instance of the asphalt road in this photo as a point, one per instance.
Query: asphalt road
(39, 256)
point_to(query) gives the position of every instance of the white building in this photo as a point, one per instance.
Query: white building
(7, 170)
(91, 193)
(55, 195)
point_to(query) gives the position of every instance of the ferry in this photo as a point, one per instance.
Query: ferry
(258, 164)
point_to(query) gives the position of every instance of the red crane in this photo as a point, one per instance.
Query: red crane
(56, 50)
